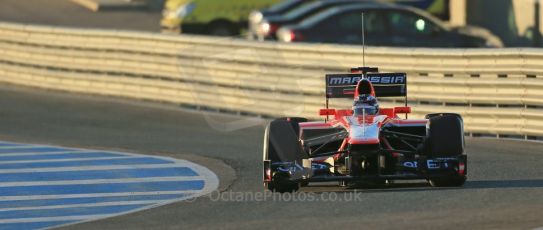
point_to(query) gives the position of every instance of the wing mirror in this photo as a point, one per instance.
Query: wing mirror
(327, 112)
(402, 109)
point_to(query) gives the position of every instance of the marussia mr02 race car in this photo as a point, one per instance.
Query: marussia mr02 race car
(365, 144)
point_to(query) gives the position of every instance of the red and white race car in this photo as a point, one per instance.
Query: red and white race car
(364, 144)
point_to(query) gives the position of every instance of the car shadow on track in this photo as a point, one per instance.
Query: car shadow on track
(423, 186)
(400, 187)
(481, 184)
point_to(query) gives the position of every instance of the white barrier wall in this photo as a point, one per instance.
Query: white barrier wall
(498, 91)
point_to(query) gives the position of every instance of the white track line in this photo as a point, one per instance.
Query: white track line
(98, 167)
(64, 160)
(23, 146)
(94, 195)
(101, 204)
(54, 152)
(51, 219)
(103, 181)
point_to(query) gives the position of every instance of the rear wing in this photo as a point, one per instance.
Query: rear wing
(384, 84)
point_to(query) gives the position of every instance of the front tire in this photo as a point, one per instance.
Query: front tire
(281, 184)
(445, 139)
(281, 145)
(445, 135)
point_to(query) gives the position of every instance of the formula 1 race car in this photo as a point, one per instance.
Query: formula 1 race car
(366, 144)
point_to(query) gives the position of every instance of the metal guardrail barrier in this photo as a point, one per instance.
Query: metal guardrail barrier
(499, 92)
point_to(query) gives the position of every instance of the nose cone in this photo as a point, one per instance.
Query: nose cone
(364, 132)
(364, 135)
(364, 86)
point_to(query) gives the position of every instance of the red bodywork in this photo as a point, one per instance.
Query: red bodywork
(363, 130)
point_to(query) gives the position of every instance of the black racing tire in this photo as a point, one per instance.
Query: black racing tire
(281, 184)
(281, 144)
(295, 123)
(445, 138)
(445, 135)
(452, 181)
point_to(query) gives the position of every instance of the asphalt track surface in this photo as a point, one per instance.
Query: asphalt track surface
(504, 190)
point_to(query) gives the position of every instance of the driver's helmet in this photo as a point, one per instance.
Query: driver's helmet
(365, 104)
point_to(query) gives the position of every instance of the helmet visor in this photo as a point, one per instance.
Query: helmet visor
(364, 109)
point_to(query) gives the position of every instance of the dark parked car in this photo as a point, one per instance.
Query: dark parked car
(268, 25)
(385, 25)
(283, 7)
